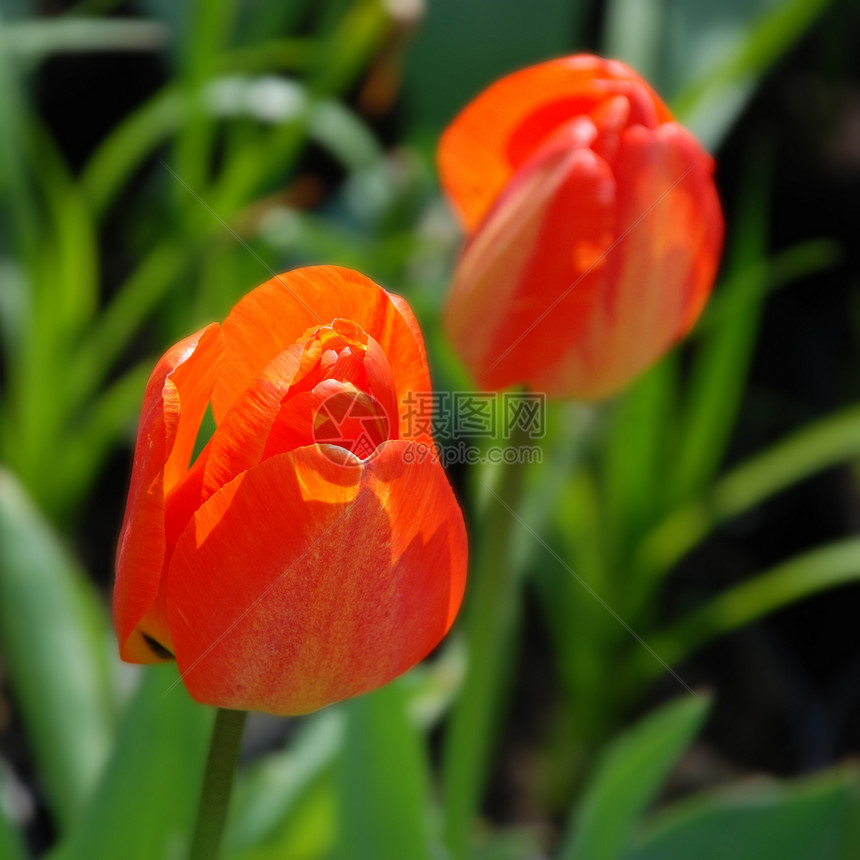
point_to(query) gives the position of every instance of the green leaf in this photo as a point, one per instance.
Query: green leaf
(480, 41)
(34, 40)
(86, 445)
(263, 19)
(14, 307)
(73, 277)
(11, 838)
(209, 30)
(307, 832)
(285, 805)
(722, 357)
(579, 626)
(269, 795)
(19, 205)
(55, 646)
(509, 844)
(638, 455)
(826, 567)
(62, 300)
(359, 32)
(342, 58)
(136, 299)
(344, 135)
(737, 52)
(382, 781)
(634, 32)
(144, 806)
(628, 778)
(492, 621)
(129, 143)
(265, 100)
(811, 819)
(818, 446)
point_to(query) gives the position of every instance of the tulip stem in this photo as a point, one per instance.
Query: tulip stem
(217, 783)
(492, 613)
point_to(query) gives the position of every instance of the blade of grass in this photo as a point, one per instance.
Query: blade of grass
(268, 794)
(74, 274)
(285, 805)
(710, 104)
(382, 781)
(144, 805)
(137, 298)
(35, 40)
(55, 648)
(628, 778)
(637, 456)
(207, 35)
(19, 211)
(723, 354)
(825, 443)
(269, 54)
(91, 7)
(344, 134)
(342, 58)
(513, 514)
(137, 136)
(823, 568)
(66, 288)
(578, 626)
(356, 38)
(11, 838)
(632, 33)
(128, 145)
(13, 177)
(308, 832)
(491, 614)
(268, 18)
(60, 300)
(86, 444)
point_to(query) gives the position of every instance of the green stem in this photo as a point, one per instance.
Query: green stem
(492, 614)
(217, 783)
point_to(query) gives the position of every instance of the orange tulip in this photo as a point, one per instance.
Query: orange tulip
(307, 555)
(594, 229)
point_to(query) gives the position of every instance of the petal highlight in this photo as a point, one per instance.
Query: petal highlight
(491, 139)
(277, 313)
(174, 402)
(527, 281)
(350, 575)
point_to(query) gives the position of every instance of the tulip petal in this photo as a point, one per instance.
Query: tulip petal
(491, 139)
(303, 582)
(528, 279)
(380, 385)
(661, 267)
(174, 403)
(280, 311)
(238, 442)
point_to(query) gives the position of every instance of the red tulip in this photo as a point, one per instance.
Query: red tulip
(594, 228)
(307, 555)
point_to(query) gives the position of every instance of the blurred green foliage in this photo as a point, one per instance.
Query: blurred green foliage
(266, 146)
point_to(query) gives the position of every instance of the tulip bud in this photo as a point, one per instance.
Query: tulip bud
(594, 228)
